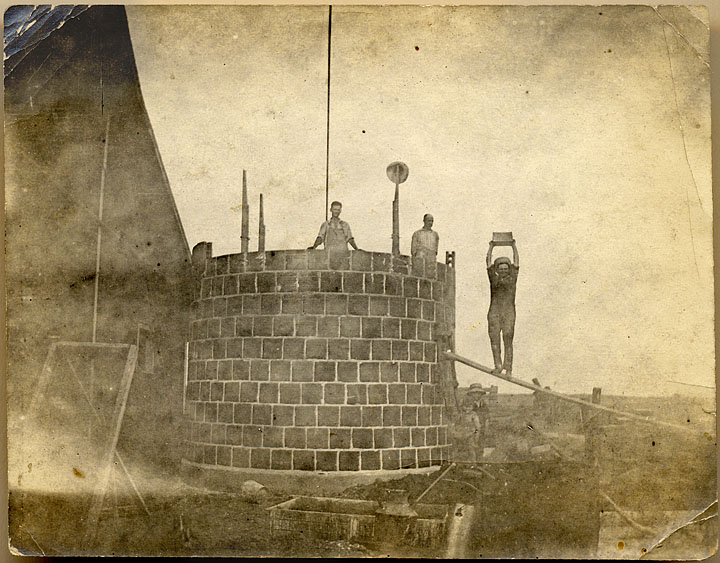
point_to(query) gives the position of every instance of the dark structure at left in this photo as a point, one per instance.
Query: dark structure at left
(95, 248)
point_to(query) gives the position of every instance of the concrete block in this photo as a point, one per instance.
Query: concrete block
(362, 438)
(230, 285)
(381, 350)
(241, 370)
(347, 372)
(328, 415)
(240, 457)
(431, 436)
(291, 304)
(262, 326)
(293, 348)
(430, 352)
(316, 348)
(423, 373)
(272, 348)
(414, 393)
(377, 393)
(408, 329)
(428, 311)
(211, 367)
(326, 460)
(409, 416)
(408, 458)
(414, 308)
(236, 263)
(424, 289)
(225, 413)
(349, 461)
(260, 458)
(227, 327)
(216, 391)
(369, 460)
(314, 304)
(205, 391)
(242, 413)
(295, 438)
(268, 392)
(234, 305)
(318, 260)
(219, 349)
(371, 416)
(391, 415)
(274, 260)
(360, 349)
(303, 460)
(283, 326)
(417, 436)
(280, 459)
(244, 326)
(217, 287)
(398, 306)
(312, 393)
(318, 438)
(423, 457)
(374, 283)
(266, 282)
(336, 304)
(396, 393)
(272, 437)
(334, 393)
(369, 371)
(279, 370)
(259, 370)
(306, 415)
(328, 326)
(381, 262)
(390, 327)
(417, 266)
(378, 305)
(399, 349)
(350, 327)
(233, 435)
(339, 260)
(247, 283)
(340, 438)
(353, 282)
(371, 327)
(213, 328)
(270, 304)
(356, 394)
(388, 372)
(209, 455)
(231, 391)
(252, 435)
(308, 282)
(358, 305)
(296, 260)
(360, 260)
(424, 415)
(350, 416)
(424, 331)
(407, 372)
(331, 282)
(410, 287)
(383, 438)
(211, 412)
(289, 393)
(251, 305)
(325, 371)
(283, 415)
(390, 459)
(222, 265)
(262, 414)
(393, 285)
(428, 394)
(302, 370)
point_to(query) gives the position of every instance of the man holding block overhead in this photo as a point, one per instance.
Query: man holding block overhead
(501, 316)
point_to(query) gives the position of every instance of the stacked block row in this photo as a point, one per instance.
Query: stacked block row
(315, 361)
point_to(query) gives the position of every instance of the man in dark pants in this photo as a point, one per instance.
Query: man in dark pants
(501, 316)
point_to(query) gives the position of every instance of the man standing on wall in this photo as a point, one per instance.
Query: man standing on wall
(334, 233)
(501, 316)
(425, 241)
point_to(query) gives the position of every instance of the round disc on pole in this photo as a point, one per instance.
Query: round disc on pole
(397, 172)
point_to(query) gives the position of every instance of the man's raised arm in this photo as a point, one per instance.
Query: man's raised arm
(488, 259)
(516, 256)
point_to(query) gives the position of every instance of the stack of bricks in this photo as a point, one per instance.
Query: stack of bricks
(318, 361)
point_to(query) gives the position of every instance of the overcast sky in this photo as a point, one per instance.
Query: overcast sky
(584, 131)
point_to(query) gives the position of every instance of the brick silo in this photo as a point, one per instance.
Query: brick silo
(317, 361)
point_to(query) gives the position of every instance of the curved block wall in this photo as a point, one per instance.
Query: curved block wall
(307, 360)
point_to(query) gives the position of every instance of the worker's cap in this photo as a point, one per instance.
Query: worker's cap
(477, 389)
(502, 260)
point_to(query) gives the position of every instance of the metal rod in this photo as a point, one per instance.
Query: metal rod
(521, 383)
(327, 130)
(261, 227)
(434, 483)
(99, 229)
(396, 222)
(245, 225)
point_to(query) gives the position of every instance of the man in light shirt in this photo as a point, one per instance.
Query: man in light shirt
(334, 233)
(425, 241)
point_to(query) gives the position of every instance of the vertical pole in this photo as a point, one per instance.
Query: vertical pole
(244, 231)
(327, 131)
(185, 380)
(99, 228)
(396, 222)
(261, 228)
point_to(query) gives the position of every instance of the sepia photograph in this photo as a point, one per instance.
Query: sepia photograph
(360, 281)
